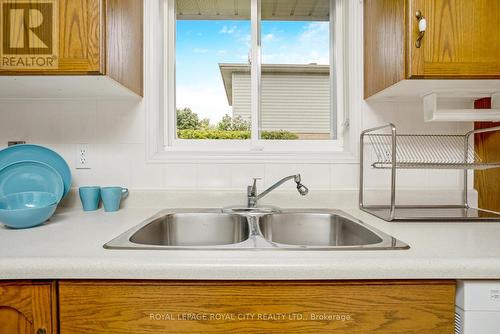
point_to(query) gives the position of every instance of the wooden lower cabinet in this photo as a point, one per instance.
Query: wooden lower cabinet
(28, 307)
(341, 307)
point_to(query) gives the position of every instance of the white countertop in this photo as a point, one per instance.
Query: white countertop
(70, 246)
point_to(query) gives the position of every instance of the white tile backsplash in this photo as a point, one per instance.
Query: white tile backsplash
(116, 132)
(113, 164)
(120, 122)
(46, 123)
(275, 172)
(316, 176)
(440, 178)
(14, 122)
(180, 176)
(143, 175)
(242, 174)
(80, 121)
(412, 179)
(344, 176)
(214, 176)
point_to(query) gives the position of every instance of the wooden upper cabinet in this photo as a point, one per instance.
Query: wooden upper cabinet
(68, 37)
(461, 41)
(81, 36)
(28, 307)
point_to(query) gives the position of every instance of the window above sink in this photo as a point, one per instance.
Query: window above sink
(220, 61)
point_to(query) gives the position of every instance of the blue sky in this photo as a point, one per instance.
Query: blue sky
(202, 45)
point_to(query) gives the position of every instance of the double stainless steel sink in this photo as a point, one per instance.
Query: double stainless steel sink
(284, 230)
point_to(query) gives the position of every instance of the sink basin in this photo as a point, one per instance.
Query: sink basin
(193, 229)
(316, 229)
(212, 229)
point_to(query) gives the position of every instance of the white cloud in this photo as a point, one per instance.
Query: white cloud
(208, 100)
(244, 57)
(244, 38)
(239, 35)
(222, 52)
(314, 32)
(269, 37)
(310, 46)
(198, 50)
(228, 30)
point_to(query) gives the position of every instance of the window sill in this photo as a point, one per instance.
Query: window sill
(184, 155)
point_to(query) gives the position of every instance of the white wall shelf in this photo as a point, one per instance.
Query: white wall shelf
(431, 93)
(433, 113)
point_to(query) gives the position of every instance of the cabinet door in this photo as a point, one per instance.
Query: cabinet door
(27, 308)
(411, 307)
(52, 37)
(462, 39)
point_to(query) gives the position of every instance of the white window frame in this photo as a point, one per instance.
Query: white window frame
(162, 144)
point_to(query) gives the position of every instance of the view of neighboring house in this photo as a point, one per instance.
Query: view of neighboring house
(295, 98)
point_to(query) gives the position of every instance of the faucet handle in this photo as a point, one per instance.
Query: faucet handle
(252, 190)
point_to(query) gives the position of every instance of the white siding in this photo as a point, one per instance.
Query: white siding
(295, 102)
(242, 92)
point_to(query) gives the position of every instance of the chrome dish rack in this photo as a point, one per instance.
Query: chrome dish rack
(395, 151)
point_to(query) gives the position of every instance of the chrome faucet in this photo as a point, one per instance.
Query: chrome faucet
(252, 190)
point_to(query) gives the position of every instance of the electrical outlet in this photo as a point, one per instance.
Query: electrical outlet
(83, 160)
(15, 142)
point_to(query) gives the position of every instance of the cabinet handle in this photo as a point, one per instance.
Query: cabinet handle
(422, 26)
(41, 331)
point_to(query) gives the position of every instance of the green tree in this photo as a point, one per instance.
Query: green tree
(225, 123)
(187, 119)
(239, 124)
(205, 124)
(228, 123)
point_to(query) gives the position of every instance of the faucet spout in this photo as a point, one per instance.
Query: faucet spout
(253, 197)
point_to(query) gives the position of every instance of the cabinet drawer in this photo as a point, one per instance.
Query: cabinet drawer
(257, 307)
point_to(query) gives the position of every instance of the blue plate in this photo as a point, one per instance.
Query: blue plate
(30, 176)
(37, 153)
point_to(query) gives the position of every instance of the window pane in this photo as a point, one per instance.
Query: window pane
(212, 47)
(296, 88)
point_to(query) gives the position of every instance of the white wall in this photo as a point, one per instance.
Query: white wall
(116, 132)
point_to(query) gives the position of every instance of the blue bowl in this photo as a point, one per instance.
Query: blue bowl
(28, 209)
(27, 200)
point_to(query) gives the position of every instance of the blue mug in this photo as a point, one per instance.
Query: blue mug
(112, 197)
(90, 197)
